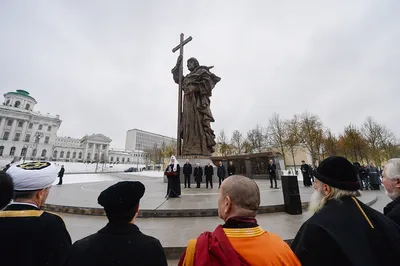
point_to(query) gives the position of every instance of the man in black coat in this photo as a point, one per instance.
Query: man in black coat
(30, 236)
(198, 174)
(209, 172)
(6, 189)
(391, 182)
(120, 242)
(272, 173)
(344, 231)
(60, 175)
(221, 173)
(187, 172)
(305, 170)
(231, 169)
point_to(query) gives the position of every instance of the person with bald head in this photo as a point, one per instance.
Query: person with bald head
(240, 240)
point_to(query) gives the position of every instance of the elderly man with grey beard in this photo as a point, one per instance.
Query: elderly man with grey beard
(391, 182)
(343, 230)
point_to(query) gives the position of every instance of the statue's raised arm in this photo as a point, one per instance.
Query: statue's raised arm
(175, 70)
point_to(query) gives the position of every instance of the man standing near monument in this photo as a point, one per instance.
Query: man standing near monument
(187, 172)
(195, 125)
(305, 170)
(209, 172)
(272, 173)
(221, 173)
(198, 174)
(231, 169)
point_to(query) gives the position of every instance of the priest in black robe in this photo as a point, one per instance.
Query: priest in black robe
(343, 230)
(174, 183)
(306, 172)
(30, 236)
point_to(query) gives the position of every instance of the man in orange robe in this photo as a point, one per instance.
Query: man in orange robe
(240, 241)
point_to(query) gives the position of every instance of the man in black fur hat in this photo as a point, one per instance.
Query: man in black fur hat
(120, 242)
(343, 230)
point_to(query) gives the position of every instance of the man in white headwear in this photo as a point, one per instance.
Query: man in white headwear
(29, 235)
(174, 184)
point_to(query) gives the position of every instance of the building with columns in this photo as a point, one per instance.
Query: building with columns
(23, 131)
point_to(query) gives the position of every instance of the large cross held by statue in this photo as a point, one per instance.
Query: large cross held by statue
(180, 48)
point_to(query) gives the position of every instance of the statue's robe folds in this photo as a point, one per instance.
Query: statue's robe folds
(196, 133)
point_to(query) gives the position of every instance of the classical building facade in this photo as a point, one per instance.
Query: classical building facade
(137, 139)
(23, 131)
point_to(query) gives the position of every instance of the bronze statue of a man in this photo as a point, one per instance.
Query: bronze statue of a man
(196, 133)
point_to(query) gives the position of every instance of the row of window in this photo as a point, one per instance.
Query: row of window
(18, 104)
(123, 159)
(17, 137)
(9, 122)
(68, 155)
(23, 152)
(98, 146)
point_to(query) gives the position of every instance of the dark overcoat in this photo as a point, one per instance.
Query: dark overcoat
(347, 233)
(119, 244)
(392, 210)
(32, 237)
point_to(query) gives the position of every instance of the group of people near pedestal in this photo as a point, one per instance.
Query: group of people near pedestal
(341, 231)
(173, 175)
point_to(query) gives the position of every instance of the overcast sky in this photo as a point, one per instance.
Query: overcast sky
(105, 66)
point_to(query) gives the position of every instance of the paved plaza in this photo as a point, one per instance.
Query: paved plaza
(85, 194)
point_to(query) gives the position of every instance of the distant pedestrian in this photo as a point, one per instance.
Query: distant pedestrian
(60, 175)
(272, 173)
(221, 173)
(187, 172)
(305, 170)
(231, 169)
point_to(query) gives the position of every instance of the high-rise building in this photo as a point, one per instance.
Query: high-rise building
(137, 139)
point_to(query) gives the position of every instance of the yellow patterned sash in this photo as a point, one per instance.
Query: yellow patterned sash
(244, 232)
(27, 213)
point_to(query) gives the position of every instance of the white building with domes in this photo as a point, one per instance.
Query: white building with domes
(26, 133)
(23, 131)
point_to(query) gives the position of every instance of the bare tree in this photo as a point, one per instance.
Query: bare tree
(237, 141)
(256, 138)
(312, 134)
(372, 132)
(247, 147)
(292, 139)
(277, 134)
(330, 144)
(223, 144)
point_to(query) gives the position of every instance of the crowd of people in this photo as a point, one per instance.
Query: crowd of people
(341, 231)
(173, 171)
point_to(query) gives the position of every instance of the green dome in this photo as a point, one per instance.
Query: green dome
(22, 93)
